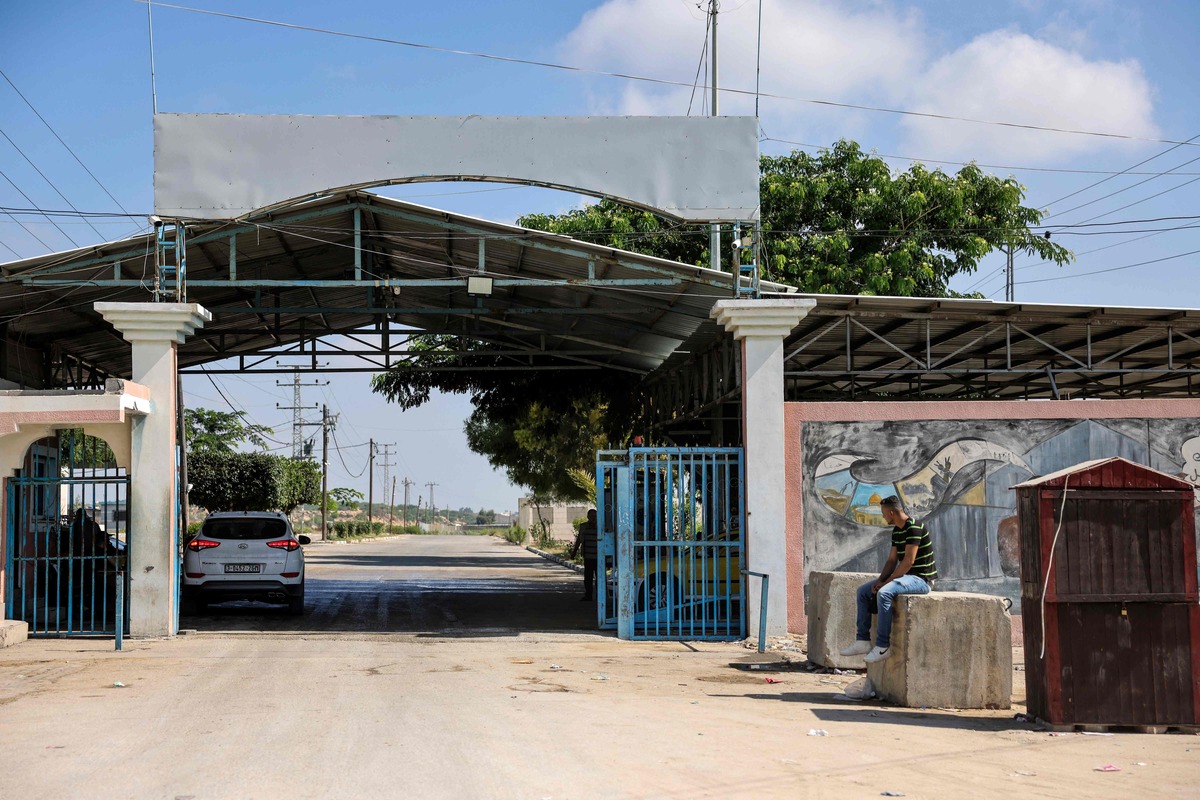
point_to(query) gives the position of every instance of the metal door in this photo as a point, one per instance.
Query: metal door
(608, 462)
(678, 517)
(67, 542)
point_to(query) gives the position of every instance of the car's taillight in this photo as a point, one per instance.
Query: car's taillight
(290, 574)
(195, 574)
(196, 545)
(285, 544)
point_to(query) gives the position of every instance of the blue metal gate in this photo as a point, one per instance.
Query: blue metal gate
(67, 543)
(670, 523)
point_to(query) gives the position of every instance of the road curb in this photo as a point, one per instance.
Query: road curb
(556, 559)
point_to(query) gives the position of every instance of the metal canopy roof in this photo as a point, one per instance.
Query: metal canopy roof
(857, 347)
(341, 282)
(372, 270)
(899, 348)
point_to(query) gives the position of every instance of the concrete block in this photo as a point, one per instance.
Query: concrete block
(12, 632)
(832, 617)
(950, 650)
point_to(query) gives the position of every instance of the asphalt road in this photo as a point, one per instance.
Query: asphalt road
(418, 584)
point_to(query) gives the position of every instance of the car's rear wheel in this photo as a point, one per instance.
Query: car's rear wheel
(656, 592)
(296, 603)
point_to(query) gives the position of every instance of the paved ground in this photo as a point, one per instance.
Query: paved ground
(495, 711)
(419, 584)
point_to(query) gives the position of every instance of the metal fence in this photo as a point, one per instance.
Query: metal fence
(67, 547)
(671, 523)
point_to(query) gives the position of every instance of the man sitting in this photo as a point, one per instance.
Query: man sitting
(911, 574)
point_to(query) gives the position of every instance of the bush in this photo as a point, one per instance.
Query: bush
(252, 482)
(516, 534)
(541, 535)
(355, 528)
(410, 529)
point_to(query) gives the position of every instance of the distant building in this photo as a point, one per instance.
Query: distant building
(557, 516)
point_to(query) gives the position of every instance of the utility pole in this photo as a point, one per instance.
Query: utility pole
(391, 505)
(371, 482)
(714, 239)
(1010, 286)
(387, 465)
(407, 483)
(326, 424)
(296, 408)
(432, 505)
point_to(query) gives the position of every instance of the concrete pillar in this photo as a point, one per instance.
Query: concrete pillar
(761, 326)
(154, 330)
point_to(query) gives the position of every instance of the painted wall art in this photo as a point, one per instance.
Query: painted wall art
(957, 477)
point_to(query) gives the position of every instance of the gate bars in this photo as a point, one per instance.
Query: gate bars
(67, 550)
(671, 523)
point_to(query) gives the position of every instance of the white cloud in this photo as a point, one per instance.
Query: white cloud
(870, 53)
(810, 48)
(1010, 76)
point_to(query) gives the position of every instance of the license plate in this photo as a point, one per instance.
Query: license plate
(243, 567)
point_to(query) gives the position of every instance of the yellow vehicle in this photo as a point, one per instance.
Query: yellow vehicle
(688, 579)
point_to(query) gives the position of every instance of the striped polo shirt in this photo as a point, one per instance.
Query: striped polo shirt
(912, 533)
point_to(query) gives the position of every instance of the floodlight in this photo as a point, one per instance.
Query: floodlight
(479, 286)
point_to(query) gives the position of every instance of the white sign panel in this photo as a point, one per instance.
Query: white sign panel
(227, 166)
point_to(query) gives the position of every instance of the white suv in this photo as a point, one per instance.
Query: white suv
(244, 555)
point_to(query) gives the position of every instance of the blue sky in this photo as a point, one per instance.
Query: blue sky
(1119, 67)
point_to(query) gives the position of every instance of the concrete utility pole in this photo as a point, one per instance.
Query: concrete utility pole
(714, 240)
(407, 483)
(432, 505)
(371, 482)
(1010, 286)
(391, 505)
(326, 424)
(296, 408)
(387, 465)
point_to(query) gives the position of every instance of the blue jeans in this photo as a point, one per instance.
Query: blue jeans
(905, 584)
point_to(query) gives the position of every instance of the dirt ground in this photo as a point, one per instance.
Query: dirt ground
(524, 716)
(496, 712)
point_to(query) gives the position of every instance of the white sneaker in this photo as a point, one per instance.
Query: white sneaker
(877, 654)
(859, 648)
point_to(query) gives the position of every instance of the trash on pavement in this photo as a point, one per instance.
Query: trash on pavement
(772, 680)
(817, 732)
(892, 794)
(861, 689)
(118, 685)
(1107, 768)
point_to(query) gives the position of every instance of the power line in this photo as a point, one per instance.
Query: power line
(30, 201)
(1061, 170)
(31, 233)
(661, 81)
(46, 179)
(60, 139)
(1126, 189)
(1177, 145)
(700, 64)
(1112, 269)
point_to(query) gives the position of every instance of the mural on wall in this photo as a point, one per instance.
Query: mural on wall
(957, 477)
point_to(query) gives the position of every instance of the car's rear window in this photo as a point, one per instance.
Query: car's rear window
(250, 528)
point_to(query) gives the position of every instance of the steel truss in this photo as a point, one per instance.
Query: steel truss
(844, 354)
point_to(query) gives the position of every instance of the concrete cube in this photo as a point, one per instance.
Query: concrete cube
(832, 617)
(12, 632)
(948, 650)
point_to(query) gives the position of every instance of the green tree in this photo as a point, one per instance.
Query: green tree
(838, 222)
(842, 222)
(342, 496)
(221, 431)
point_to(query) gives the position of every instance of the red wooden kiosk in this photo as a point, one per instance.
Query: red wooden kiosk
(1108, 573)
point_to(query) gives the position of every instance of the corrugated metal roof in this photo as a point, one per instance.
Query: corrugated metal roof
(552, 293)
